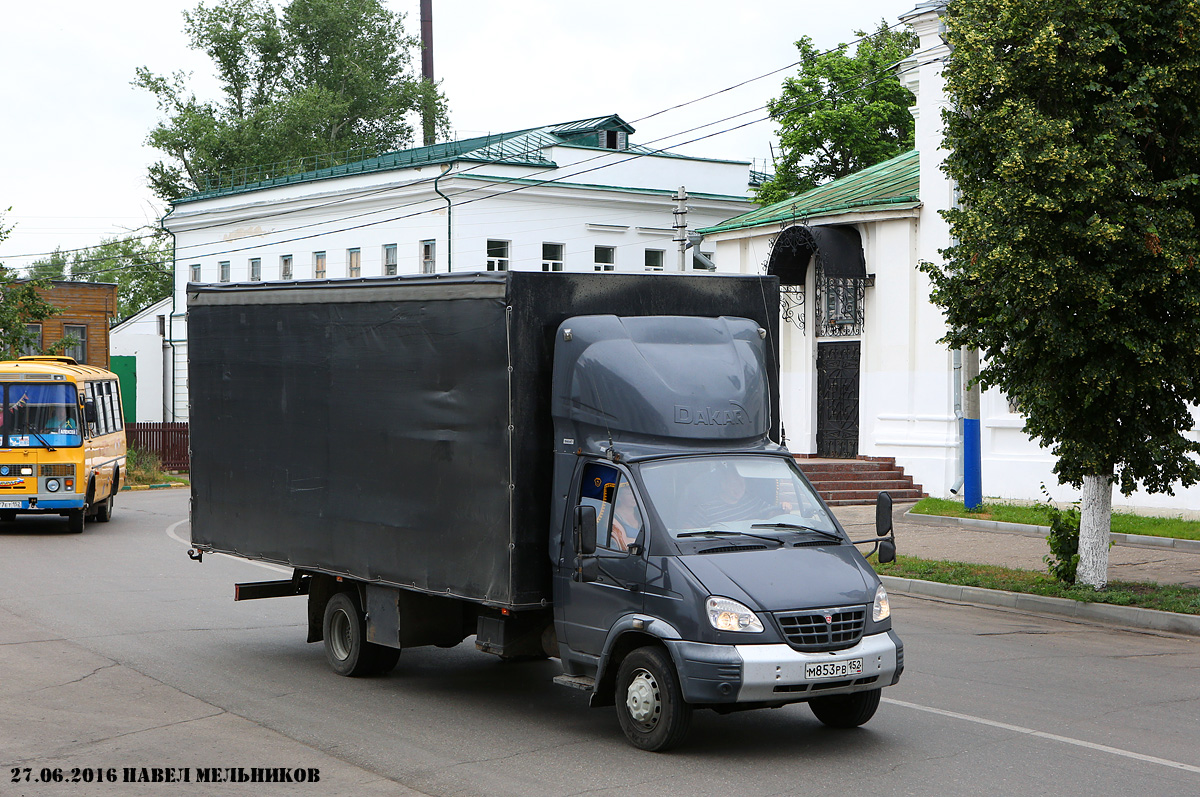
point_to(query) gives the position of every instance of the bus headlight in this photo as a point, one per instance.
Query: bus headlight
(729, 615)
(27, 470)
(52, 485)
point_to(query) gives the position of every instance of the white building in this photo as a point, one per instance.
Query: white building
(143, 336)
(576, 196)
(863, 372)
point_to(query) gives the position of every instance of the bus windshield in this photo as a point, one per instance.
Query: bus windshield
(40, 415)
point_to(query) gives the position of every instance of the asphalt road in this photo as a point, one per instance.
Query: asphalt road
(118, 651)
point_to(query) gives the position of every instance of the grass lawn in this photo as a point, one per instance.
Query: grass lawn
(1164, 597)
(1122, 522)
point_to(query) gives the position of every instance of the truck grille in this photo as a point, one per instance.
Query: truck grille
(58, 470)
(810, 630)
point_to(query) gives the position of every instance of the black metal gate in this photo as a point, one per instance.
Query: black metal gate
(837, 399)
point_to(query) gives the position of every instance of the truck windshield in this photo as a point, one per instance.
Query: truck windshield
(39, 416)
(747, 494)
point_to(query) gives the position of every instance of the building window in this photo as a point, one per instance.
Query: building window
(285, 267)
(654, 259)
(552, 257)
(223, 269)
(77, 349)
(255, 269)
(606, 258)
(389, 260)
(497, 255)
(195, 272)
(428, 257)
(319, 265)
(353, 263)
(34, 346)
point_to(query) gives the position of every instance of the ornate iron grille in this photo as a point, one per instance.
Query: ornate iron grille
(791, 305)
(823, 629)
(839, 305)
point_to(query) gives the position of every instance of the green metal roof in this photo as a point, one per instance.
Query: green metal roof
(520, 147)
(889, 184)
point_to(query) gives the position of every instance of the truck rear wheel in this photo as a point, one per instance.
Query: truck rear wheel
(650, 705)
(346, 646)
(846, 711)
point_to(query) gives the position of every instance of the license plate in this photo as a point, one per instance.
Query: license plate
(832, 669)
(10, 504)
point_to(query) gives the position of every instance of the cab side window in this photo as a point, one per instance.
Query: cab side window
(618, 518)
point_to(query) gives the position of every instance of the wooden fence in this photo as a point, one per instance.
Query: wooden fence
(168, 440)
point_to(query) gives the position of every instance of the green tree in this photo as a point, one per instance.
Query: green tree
(322, 77)
(140, 266)
(1075, 143)
(21, 304)
(51, 267)
(841, 113)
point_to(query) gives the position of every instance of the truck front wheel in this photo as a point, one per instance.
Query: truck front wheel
(846, 711)
(346, 646)
(650, 705)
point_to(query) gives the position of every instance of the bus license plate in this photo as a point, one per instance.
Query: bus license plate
(832, 669)
(10, 504)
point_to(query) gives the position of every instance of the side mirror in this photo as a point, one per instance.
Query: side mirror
(883, 515)
(585, 530)
(887, 551)
(89, 410)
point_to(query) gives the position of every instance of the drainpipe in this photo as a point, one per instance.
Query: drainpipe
(168, 339)
(449, 218)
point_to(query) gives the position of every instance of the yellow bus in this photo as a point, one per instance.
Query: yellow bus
(62, 440)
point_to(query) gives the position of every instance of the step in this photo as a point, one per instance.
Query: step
(583, 682)
(864, 484)
(869, 496)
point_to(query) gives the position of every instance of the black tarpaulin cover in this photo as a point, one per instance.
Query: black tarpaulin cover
(362, 427)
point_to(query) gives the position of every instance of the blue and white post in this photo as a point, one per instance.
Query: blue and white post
(972, 456)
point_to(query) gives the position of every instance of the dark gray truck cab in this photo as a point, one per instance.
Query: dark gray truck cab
(572, 465)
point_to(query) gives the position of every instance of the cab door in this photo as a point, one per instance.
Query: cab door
(591, 608)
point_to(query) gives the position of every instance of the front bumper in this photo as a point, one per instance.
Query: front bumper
(775, 673)
(44, 502)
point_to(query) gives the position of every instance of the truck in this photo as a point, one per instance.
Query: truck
(562, 465)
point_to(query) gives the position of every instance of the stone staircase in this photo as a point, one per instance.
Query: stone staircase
(858, 481)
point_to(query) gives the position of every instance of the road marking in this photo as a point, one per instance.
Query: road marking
(173, 534)
(1149, 759)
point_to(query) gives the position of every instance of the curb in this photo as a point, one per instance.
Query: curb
(164, 486)
(1064, 607)
(1130, 540)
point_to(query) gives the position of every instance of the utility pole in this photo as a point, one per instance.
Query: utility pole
(681, 226)
(972, 454)
(427, 123)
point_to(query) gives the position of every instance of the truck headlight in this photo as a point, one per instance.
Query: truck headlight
(729, 615)
(882, 609)
(52, 485)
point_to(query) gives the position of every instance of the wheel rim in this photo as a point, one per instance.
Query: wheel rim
(643, 699)
(340, 640)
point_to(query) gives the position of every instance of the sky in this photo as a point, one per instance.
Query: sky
(73, 156)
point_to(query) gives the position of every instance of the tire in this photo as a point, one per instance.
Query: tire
(75, 521)
(346, 647)
(846, 711)
(104, 510)
(650, 704)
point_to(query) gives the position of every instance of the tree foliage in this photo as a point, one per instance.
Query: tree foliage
(323, 76)
(140, 265)
(21, 304)
(841, 113)
(1075, 143)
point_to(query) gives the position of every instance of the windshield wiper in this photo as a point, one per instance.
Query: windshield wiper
(797, 527)
(45, 442)
(720, 533)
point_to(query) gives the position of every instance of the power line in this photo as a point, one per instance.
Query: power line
(481, 165)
